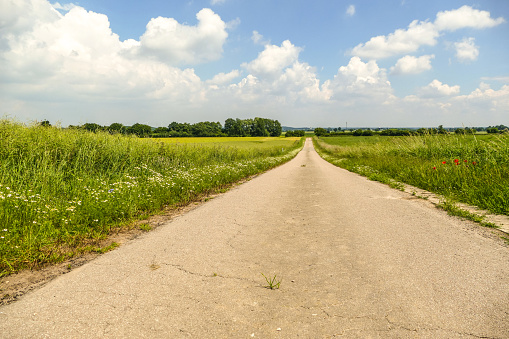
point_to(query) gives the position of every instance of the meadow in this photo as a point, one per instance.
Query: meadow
(472, 169)
(61, 190)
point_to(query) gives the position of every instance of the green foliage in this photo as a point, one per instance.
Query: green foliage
(466, 168)
(91, 127)
(116, 128)
(295, 133)
(140, 130)
(320, 132)
(395, 132)
(66, 188)
(257, 127)
(272, 283)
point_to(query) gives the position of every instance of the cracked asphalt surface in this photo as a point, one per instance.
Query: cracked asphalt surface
(356, 258)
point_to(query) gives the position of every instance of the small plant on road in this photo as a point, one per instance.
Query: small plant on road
(272, 282)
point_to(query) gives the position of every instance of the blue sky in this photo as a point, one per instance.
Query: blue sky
(306, 63)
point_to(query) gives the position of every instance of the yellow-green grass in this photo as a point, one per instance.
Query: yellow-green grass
(61, 189)
(242, 142)
(469, 169)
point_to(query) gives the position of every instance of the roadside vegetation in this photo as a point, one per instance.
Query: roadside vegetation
(61, 190)
(257, 127)
(472, 169)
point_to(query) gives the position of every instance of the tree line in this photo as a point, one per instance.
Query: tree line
(405, 132)
(257, 127)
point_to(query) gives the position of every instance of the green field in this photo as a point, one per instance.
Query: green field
(252, 143)
(63, 189)
(470, 169)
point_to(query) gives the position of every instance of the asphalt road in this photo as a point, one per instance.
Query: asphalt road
(356, 258)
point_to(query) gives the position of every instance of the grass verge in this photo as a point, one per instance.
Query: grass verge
(466, 169)
(64, 190)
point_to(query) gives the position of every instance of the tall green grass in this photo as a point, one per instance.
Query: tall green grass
(466, 169)
(61, 188)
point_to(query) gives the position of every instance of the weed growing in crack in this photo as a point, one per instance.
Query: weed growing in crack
(272, 282)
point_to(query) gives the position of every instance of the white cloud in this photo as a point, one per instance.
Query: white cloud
(21, 16)
(273, 59)
(464, 17)
(258, 39)
(217, 2)
(224, 78)
(350, 11)
(359, 79)
(438, 89)
(412, 65)
(466, 50)
(78, 59)
(424, 33)
(233, 24)
(168, 41)
(486, 93)
(400, 42)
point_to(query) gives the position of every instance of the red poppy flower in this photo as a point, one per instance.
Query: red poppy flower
(465, 160)
(456, 161)
(474, 163)
(444, 162)
(434, 168)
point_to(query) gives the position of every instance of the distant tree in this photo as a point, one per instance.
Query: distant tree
(116, 128)
(319, 132)
(179, 129)
(160, 131)
(45, 123)
(357, 132)
(140, 130)
(91, 127)
(295, 133)
(441, 130)
(367, 132)
(273, 127)
(492, 130)
(459, 131)
(206, 129)
(258, 128)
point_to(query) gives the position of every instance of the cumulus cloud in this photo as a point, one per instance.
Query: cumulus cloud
(401, 41)
(466, 50)
(233, 24)
(273, 59)
(412, 65)
(424, 33)
(464, 17)
(224, 78)
(438, 89)
(484, 92)
(76, 57)
(360, 79)
(350, 11)
(177, 44)
(258, 39)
